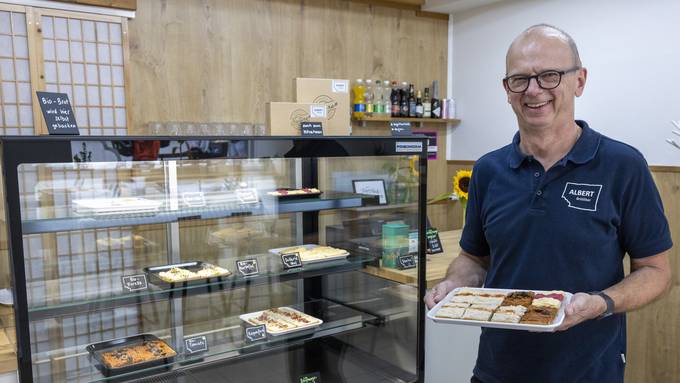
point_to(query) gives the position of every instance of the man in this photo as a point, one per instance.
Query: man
(557, 210)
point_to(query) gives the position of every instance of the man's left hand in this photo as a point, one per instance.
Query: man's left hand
(582, 307)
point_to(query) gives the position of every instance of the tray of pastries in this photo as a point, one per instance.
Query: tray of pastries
(129, 354)
(282, 320)
(185, 274)
(532, 310)
(291, 193)
(311, 253)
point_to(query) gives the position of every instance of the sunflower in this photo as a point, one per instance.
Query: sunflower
(461, 183)
(412, 164)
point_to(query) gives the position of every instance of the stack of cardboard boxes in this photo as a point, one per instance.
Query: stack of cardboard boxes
(318, 100)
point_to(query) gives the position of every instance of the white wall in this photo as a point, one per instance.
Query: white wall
(630, 47)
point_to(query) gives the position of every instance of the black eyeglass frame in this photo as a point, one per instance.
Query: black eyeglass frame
(537, 76)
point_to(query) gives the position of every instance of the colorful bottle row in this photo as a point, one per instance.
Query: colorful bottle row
(384, 99)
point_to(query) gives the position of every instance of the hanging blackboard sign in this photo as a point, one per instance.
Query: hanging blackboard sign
(314, 377)
(255, 333)
(58, 114)
(434, 244)
(401, 128)
(132, 283)
(291, 261)
(196, 344)
(311, 128)
(247, 267)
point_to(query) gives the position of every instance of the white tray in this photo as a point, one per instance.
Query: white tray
(277, 251)
(116, 205)
(513, 326)
(246, 317)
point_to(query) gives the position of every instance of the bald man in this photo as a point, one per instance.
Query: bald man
(558, 209)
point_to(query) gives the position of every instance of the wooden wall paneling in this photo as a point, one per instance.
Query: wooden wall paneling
(35, 52)
(121, 4)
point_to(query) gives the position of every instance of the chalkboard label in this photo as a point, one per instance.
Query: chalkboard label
(255, 333)
(406, 261)
(400, 128)
(310, 128)
(247, 267)
(196, 344)
(291, 261)
(434, 245)
(58, 114)
(132, 283)
(314, 377)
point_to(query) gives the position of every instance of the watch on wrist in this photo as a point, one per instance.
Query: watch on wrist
(608, 300)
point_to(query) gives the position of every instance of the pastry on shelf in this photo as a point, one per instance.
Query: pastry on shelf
(144, 352)
(282, 320)
(181, 274)
(290, 192)
(313, 253)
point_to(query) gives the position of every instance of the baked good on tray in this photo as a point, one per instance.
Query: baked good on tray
(283, 192)
(180, 274)
(314, 253)
(283, 319)
(526, 307)
(146, 351)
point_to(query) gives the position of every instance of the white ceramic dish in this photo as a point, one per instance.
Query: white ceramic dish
(311, 246)
(316, 321)
(513, 326)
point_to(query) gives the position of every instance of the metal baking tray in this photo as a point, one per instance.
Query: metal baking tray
(152, 274)
(294, 196)
(95, 350)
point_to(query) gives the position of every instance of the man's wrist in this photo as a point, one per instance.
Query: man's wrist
(606, 304)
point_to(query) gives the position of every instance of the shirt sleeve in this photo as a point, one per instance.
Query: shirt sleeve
(473, 241)
(644, 228)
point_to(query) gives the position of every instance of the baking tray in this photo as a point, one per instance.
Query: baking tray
(95, 350)
(152, 274)
(277, 251)
(513, 326)
(247, 317)
(294, 196)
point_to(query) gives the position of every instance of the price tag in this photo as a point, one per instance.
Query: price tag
(196, 344)
(247, 267)
(310, 128)
(132, 283)
(434, 244)
(400, 128)
(255, 333)
(406, 262)
(314, 377)
(58, 114)
(291, 261)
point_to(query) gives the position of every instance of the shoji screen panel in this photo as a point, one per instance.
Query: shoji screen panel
(85, 56)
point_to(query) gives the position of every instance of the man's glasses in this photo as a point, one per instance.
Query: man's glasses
(549, 79)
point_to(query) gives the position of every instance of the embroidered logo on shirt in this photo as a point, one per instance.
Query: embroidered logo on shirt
(581, 196)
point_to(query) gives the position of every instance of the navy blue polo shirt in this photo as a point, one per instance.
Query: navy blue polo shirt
(564, 229)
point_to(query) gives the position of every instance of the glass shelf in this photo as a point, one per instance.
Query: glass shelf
(225, 339)
(268, 206)
(105, 291)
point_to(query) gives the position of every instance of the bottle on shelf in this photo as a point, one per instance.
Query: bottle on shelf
(378, 104)
(359, 99)
(436, 105)
(395, 99)
(411, 101)
(369, 98)
(387, 103)
(419, 105)
(427, 105)
(403, 100)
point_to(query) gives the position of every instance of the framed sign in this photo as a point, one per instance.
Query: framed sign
(371, 187)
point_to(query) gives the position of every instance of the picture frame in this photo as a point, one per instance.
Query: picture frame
(371, 187)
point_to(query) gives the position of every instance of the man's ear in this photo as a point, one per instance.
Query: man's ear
(507, 91)
(581, 77)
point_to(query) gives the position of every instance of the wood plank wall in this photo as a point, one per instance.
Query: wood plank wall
(653, 332)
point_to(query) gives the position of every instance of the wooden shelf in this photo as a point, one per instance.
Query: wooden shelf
(408, 119)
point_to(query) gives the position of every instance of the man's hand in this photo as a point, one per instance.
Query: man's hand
(438, 292)
(582, 307)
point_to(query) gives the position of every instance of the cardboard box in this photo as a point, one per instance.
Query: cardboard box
(284, 118)
(335, 94)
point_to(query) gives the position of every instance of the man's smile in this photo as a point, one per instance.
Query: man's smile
(537, 105)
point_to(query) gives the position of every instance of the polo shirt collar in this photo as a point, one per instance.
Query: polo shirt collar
(583, 151)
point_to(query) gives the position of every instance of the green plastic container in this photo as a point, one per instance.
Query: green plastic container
(395, 243)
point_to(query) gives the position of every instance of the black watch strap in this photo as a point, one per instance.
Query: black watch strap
(608, 300)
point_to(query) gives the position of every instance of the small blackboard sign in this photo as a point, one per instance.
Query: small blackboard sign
(196, 344)
(314, 377)
(255, 333)
(132, 283)
(434, 244)
(291, 261)
(58, 114)
(247, 267)
(406, 262)
(311, 128)
(401, 128)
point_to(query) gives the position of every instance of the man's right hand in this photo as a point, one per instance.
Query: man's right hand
(438, 292)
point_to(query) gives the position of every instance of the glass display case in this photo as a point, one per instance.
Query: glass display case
(217, 259)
